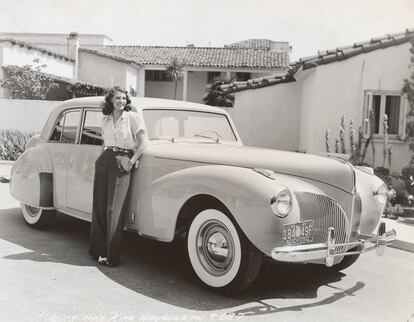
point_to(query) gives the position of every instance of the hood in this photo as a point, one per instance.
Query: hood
(327, 170)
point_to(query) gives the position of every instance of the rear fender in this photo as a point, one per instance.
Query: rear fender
(31, 180)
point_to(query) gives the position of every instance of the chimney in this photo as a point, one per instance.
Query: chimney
(73, 46)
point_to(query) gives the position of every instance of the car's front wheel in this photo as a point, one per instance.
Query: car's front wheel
(220, 254)
(36, 217)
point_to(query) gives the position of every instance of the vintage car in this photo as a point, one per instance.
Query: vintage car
(236, 205)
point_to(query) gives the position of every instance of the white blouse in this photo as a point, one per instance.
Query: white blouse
(124, 133)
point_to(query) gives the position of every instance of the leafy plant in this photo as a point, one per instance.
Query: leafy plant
(175, 72)
(12, 144)
(408, 90)
(386, 152)
(27, 82)
(356, 148)
(132, 91)
(217, 97)
(82, 89)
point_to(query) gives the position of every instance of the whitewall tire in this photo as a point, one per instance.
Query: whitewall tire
(36, 217)
(220, 255)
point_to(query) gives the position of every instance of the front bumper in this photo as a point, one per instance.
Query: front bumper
(311, 252)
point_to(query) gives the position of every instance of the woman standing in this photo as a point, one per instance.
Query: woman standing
(124, 140)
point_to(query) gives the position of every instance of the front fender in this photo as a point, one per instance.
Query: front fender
(31, 180)
(366, 185)
(244, 192)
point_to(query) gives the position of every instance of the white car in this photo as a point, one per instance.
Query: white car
(235, 204)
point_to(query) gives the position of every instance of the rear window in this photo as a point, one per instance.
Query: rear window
(66, 127)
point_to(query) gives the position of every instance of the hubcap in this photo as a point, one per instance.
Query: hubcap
(215, 247)
(32, 211)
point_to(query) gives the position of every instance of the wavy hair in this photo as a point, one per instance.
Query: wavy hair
(108, 107)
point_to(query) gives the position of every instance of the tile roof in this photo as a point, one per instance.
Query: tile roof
(341, 53)
(259, 82)
(252, 44)
(200, 56)
(323, 57)
(31, 47)
(108, 55)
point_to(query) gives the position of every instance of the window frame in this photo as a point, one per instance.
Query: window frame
(156, 75)
(63, 113)
(368, 107)
(213, 76)
(82, 124)
(236, 138)
(243, 76)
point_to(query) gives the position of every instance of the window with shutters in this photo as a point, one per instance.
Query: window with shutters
(380, 103)
(156, 76)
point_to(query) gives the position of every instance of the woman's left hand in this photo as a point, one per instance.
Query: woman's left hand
(124, 163)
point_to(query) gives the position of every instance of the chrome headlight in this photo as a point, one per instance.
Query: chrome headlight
(381, 195)
(282, 203)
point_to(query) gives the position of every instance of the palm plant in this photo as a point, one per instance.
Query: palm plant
(175, 72)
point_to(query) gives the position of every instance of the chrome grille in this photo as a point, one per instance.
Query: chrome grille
(325, 213)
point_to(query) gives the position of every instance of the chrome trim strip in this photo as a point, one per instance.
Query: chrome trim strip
(354, 193)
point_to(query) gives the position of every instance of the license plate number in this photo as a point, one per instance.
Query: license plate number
(297, 233)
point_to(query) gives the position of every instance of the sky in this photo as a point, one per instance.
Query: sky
(308, 25)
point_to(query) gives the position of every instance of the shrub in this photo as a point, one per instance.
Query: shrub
(217, 97)
(12, 144)
(27, 82)
(357, 150)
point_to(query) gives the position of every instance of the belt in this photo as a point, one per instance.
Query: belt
(118, 149)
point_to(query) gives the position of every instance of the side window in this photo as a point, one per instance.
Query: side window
(66, 128)
(92, 131)
(57, 131)
(382, 103)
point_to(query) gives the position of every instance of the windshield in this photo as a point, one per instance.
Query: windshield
(187, 124)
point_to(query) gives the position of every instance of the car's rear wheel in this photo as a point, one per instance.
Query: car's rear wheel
(36, 217)
(220, 254)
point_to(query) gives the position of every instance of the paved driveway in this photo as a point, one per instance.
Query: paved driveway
(48, 276)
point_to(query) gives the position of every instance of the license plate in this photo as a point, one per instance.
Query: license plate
(297, 233)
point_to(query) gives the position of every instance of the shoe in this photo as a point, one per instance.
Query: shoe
(102, 260)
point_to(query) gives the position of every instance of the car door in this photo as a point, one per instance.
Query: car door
(81, 167)
(63, 138)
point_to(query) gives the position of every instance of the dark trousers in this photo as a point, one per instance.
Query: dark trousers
(110, 189)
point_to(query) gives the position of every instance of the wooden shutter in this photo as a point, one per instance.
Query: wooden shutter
(366, 125)
(403, 117)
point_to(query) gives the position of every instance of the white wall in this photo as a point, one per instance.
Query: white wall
(336, 89)
(131, 78)
(268, 117)
(163, 89)
(20, 56)
(25, 115)
(197, 82)
(105, 72)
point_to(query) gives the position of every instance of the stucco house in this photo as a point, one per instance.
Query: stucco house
(293, 112)
(142, 68)
(15, 52)
(60, 66)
